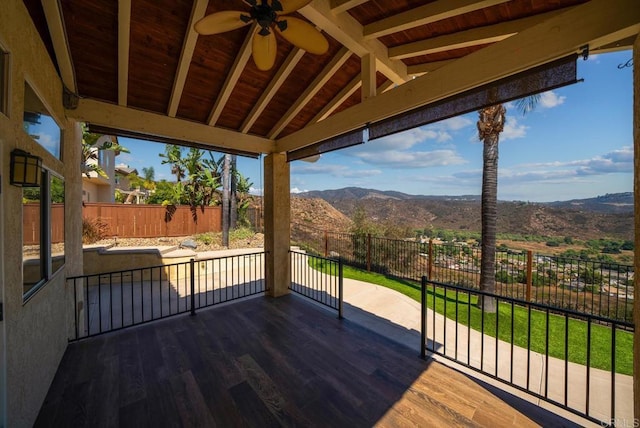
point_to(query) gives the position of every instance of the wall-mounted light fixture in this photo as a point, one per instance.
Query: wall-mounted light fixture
(26, 169)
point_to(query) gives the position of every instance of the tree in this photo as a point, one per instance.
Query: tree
(90, 152)
(226, 188)
(173, 155)
(490, 125)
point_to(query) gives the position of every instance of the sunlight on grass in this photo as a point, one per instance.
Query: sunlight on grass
(469, 314)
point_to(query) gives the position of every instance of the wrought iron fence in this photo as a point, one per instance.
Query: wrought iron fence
(318, 278)
(115, 300)
(580, 362)
(592, 287)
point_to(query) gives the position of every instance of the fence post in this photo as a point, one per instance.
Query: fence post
(423, 318)
(529, 274)
(192, 264)
(368, 252)
(340, 288)
(430, 260)
(326, 244)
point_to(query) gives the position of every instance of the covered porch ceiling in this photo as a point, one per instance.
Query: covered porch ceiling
(138, 67)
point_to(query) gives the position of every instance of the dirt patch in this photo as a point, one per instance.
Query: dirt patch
(213, 242)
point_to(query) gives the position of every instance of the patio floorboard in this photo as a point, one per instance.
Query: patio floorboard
(267, 362)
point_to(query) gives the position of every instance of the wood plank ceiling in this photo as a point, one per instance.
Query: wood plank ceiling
(144, 55)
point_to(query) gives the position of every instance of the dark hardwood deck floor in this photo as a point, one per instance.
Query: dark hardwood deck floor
(265, 362)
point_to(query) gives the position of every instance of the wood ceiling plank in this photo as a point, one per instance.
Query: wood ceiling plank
(339, 6)
(338, 60)
(186, 55)
(154, 124)
(274, 85)
(368, 74)
(348, 31)
(230, 82)
(475, 36)
(427, 67)
(595, 23)
(423, 15)
(341, 97)
(55, 24)
(124, 27)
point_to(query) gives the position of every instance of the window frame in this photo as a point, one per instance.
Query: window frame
(5, 61)
(46, 257)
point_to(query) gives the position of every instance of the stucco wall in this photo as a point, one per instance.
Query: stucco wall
(36, 331)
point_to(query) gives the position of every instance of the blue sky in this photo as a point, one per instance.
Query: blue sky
(577, 143)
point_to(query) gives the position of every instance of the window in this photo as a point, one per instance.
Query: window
(43, 232)
(39, 124)
(4, 82)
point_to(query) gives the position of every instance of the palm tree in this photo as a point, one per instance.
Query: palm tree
(173, 156)
(90, 152)
(490, 124)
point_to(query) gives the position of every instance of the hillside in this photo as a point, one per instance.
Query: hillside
(572, 218)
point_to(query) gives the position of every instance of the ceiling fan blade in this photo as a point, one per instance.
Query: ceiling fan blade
(264, 49)
(220, 22)
(303, 35)
(289, 6)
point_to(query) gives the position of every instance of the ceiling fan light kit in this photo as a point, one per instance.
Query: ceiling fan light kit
(269, 15)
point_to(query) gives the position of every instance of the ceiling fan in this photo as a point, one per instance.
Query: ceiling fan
(269, 15)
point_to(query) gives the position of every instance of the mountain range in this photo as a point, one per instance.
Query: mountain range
(607, 216)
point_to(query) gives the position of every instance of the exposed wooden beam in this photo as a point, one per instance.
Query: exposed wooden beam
(348, 31)
(595, 23)
(423, 15)
(339, 6)
(124, 31)
(427, 67)
(281, 76)
(234, 74)
(338, 60)
(153, 124)
(368, 73)
(188, 46)
(337, 101)
(55, 23)
(473, 37)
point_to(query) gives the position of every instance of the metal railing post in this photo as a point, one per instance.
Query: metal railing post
(340, 288)
(368, 252)
(326, 243)
(423, 318)
(430, 262)
(529, 274)
(192, 264)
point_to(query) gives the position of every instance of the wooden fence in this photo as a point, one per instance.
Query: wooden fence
(31, 223)
(150, 221)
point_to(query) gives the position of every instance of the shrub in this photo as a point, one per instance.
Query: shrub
(93, 230)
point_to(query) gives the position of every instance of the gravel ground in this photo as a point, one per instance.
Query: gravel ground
(255, 241)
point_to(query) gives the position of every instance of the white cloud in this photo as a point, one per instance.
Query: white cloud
(550, 99)
(334, 170)
(513, 130)
(255, 191)
(296, 190)
(616, 161)
(413, 159)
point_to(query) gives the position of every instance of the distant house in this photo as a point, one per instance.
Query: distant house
(123, 184)
(94, 187)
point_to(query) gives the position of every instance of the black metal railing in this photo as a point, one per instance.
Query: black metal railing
(114, 300)
(600, 288)
(318, 278)
(579, 362)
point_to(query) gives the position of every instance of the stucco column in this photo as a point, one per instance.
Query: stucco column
(277, 223)
(636, 194)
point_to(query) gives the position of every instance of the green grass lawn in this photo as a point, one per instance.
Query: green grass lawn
(470, 314)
